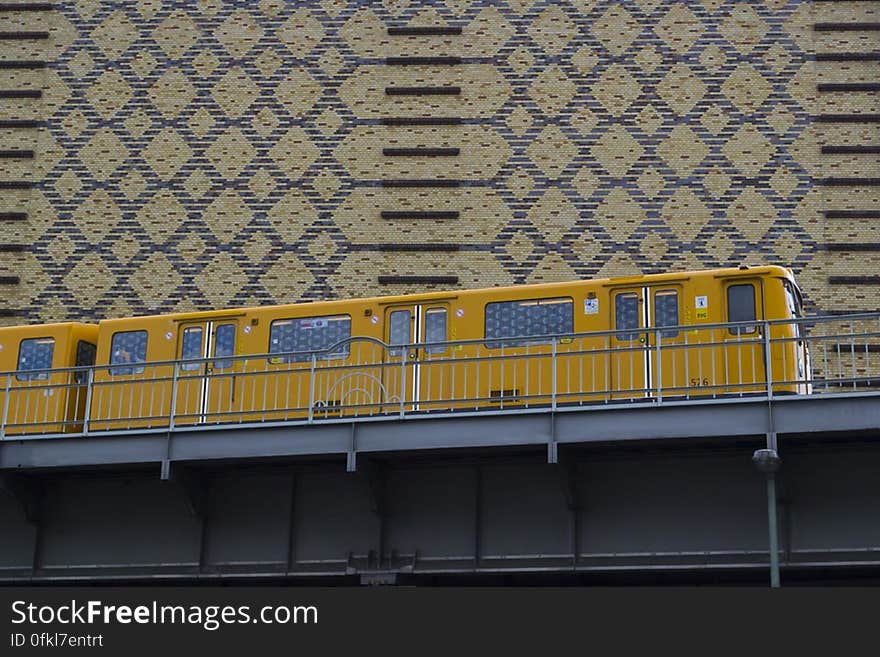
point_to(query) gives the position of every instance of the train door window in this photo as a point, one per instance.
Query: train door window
(666, 312)
(85, 357)
(741, 307)
(626, 316)
(35, 354)
(435, 329)
(224, 345)
(300, 338)
(128, 347)
(399, 330)
(530, 321)
(191, 348)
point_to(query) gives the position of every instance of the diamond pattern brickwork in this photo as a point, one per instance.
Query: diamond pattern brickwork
(197, 154)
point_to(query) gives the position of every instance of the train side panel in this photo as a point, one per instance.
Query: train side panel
(41, 394)
(346, 377)
(647, 334)
(132, 380)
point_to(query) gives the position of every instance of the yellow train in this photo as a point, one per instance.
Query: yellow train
(41, 393)
(604, 340)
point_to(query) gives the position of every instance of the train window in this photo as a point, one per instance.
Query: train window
(435, 329)
(35, 354)
(666, 312)
(399, 322)
(224, 345)
(85, 357)
(191, 348)
(792, 298)
(530, 321)
(128, 347)
(626, 316)
(297, 338)
(741, 307)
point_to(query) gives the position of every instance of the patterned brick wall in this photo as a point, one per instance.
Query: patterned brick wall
(177, 155)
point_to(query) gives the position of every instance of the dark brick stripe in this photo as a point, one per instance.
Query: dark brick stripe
(846, 27)
(420, 152)
(9, 312)
(415, 247)
(26, 6)
(22, 64)
(854, 280)
(9, 280)
(422, 120)
(847, 56)
(422, 61)
(863, 348)
(425, 280)
(849, 86)
(423, 91)
(847, 118)
(421, 183)
(20, 123)
(852, 247)
(850, 182)
(848, 150)
(16, 184)
(852, 214)
(21, 93)
(420, 214)
(16, 154)
(23, 36)
(12, 248)
(424, 31)
(13, 216)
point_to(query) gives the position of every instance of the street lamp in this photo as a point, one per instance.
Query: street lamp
(767, 461)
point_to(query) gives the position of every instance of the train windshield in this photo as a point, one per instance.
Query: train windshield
(793, 298)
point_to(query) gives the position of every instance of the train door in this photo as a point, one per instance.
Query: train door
(628, 366)
(743, 350)
(642, 360)
(85, 357)
(206, 389)
(415, 370)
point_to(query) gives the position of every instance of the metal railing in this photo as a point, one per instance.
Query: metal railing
(364, 378)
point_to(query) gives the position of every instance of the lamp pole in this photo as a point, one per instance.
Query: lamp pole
(768, 461)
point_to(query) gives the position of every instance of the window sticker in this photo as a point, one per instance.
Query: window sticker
(591, 306)
(701, 304)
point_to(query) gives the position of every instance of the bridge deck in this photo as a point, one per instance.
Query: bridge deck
(640, 487)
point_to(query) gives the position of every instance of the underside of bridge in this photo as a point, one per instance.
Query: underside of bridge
(627, 495)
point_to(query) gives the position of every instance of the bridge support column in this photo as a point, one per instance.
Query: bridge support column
(767, 461)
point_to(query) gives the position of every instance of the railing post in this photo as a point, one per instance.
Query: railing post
(402, 391)
(5, 406)
(552, 374)
(173, 397)
(852, 351)
(658, 336)
(87, 413)
(312, 388)
(768, 360)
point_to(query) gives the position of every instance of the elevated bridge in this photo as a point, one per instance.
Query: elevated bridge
(653, 482)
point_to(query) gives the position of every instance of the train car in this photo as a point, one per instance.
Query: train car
(41, 393)
(612, 340)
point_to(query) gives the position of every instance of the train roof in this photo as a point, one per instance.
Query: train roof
(772, 270)
(42, 328)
